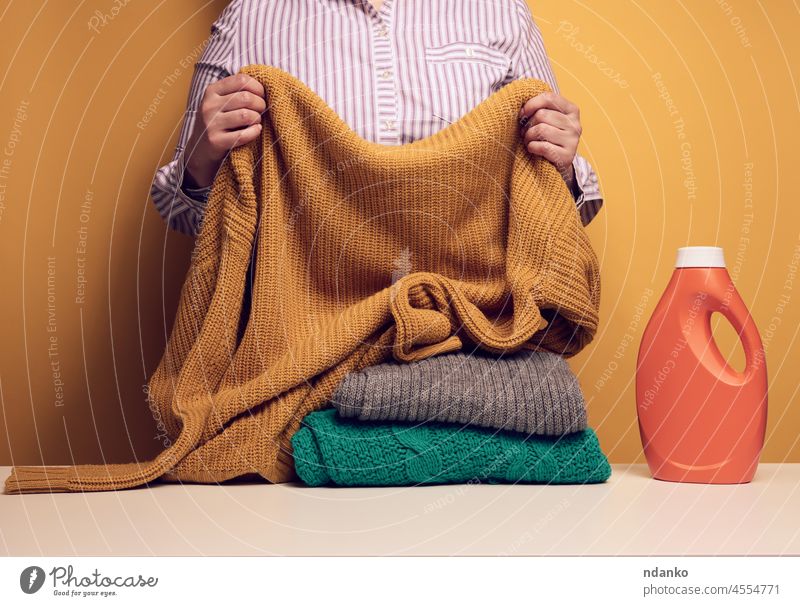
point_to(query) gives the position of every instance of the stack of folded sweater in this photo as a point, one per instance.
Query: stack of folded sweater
(458, 417)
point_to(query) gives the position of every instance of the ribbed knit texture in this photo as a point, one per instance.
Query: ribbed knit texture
(331, 450)
(533, 392)
(359, 251)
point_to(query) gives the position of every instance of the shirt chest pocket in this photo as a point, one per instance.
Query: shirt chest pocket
(461, 75)
(462, 53)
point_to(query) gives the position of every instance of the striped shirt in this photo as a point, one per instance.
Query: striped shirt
(394, 75)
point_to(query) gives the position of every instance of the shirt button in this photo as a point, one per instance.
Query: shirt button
(389, 125)
(470, 52)
(386, 74)
(383, 32)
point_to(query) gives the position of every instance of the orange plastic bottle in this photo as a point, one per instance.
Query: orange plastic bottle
(700, 419)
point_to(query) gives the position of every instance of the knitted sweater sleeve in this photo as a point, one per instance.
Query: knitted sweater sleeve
(181, 207)
(529, 60)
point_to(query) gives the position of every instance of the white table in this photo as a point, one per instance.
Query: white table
(631, 514)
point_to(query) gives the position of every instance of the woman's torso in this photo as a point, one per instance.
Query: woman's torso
(394, 75)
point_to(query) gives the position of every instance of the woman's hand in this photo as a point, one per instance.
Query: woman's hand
(551, 128)
(229, 116)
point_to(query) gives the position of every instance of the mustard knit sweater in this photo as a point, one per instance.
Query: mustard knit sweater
(321, 253)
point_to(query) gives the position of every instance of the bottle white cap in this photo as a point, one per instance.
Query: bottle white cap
(700, 256)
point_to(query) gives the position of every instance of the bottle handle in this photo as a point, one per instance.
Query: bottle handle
(732, 307)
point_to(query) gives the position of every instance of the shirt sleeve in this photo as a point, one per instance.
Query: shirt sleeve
(183, 208)
(529, 60)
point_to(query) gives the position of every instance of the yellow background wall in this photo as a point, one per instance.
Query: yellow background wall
(690, 114)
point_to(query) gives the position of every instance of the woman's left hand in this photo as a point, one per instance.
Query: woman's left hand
(551, 128)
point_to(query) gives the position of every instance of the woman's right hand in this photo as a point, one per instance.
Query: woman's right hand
(229, 116)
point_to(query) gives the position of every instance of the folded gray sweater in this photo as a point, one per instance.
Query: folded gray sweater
(532, 392)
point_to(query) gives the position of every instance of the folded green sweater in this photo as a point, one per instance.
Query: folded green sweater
(329, 449)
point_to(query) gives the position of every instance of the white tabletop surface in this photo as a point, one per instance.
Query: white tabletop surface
(631, 514)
